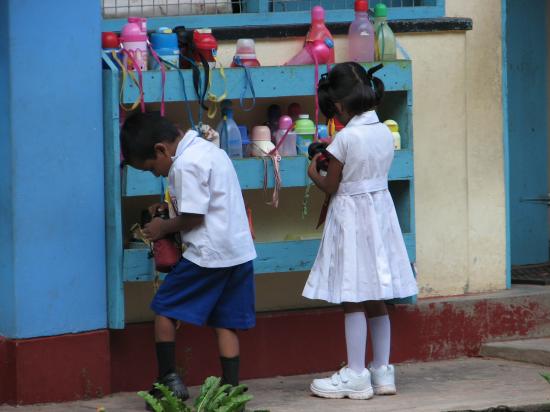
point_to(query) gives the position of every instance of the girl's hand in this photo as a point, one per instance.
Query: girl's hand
(312, 169)
(154, 230)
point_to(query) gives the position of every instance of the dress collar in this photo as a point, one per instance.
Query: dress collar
(369, 117)
(187, 140)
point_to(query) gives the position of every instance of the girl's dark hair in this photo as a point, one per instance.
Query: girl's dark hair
(350, 84)
(141, 132)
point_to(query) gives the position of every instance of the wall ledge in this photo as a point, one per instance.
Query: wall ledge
(441, 24)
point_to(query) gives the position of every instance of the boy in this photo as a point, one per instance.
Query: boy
(213, 283)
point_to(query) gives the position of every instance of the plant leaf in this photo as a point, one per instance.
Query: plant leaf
(170, 402)
(546, 375)
(211, 386)
(152, 401)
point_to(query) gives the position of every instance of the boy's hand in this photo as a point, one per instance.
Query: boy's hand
(154, 230)
(157, 207)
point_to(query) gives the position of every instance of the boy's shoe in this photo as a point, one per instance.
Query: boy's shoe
(345, 383)
(383, 380)
(173, 382)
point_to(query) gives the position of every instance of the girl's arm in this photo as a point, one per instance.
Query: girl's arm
(158, 227)
(329, 183)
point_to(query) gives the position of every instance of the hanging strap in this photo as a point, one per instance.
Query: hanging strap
(216, 100)
(125, 73)
(316, 62)
(130, 55)
(162, 74)
(185, 98)
(382, 47)
(246, 85)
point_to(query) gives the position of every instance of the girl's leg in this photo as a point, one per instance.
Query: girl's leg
(356, 335)
(379, 325)
(165, 338)
(228, 347)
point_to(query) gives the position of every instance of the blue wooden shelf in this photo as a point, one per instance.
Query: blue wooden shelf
(269, 82)
(251, 174)
(273, 257)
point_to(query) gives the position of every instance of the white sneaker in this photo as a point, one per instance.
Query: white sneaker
(344, 383)
(383, 380)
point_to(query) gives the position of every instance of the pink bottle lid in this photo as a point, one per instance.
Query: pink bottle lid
(318, 14)
(285, 122)
(131, 32)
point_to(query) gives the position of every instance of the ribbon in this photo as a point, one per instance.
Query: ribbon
(247, 85)
(216, 100)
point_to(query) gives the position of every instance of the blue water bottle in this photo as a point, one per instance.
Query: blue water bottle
(165, 43)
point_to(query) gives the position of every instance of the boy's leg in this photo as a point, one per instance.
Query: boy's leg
(165, 338)
(228, 347)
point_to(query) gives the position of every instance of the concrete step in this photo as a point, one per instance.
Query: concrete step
(527, 350)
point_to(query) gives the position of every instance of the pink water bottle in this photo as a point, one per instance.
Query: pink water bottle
(134, 40)
(361, 34)
(318, 30)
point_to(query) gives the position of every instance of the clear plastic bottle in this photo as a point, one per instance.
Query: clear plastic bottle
(361, 34)
(230, 135)
(385, 39)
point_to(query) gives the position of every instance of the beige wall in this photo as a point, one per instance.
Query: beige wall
(460, 215)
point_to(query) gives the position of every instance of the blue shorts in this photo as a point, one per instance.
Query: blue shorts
(217, 297)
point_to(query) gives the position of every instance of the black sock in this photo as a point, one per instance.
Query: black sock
(166, 357)
(230, 370)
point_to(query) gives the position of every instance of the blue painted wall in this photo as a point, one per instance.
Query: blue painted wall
(527, 101)
(7, 315)
(55, 268)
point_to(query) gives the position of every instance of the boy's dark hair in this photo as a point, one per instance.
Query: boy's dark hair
(141, 132)
(349, 84)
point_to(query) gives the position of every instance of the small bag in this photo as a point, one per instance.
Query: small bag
(166, 251)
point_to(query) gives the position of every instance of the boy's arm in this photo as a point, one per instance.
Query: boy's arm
(158, 228)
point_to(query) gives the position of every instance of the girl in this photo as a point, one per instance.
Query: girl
(362, 260)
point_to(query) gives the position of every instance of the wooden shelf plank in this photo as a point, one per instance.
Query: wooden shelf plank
(251, 174)
(273, 257)
(269, 82)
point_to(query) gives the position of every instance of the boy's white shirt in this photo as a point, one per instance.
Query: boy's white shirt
(202, 180)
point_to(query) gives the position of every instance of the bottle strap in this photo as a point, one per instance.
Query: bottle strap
(162, 74)
(125, 74)
(216, 100)
(185, 98)
(276, 160)
(130, 55)
(248, 84)
(280, 143)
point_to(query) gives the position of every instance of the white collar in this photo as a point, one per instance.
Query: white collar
(185, 142)
(369, 117)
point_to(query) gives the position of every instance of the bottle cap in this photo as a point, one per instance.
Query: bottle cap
(285, 122)
(109, 40)
(361, 5)
(329, 43)
(380, 10)
(317, 13)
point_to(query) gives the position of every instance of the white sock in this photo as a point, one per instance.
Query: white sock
(380, 333)
(356, 340)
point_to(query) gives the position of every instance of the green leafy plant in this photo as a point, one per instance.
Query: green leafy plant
(213, 397)
(546, 376)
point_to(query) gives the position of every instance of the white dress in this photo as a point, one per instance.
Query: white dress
(362, 254)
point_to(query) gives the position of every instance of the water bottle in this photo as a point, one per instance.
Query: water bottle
(288, 147)
(394, 128)
(318, 30)
(165, 43)
(361, 34)
(385, 39)
(246, 54)
(305, 130)
(230, 135)
(134, 40)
